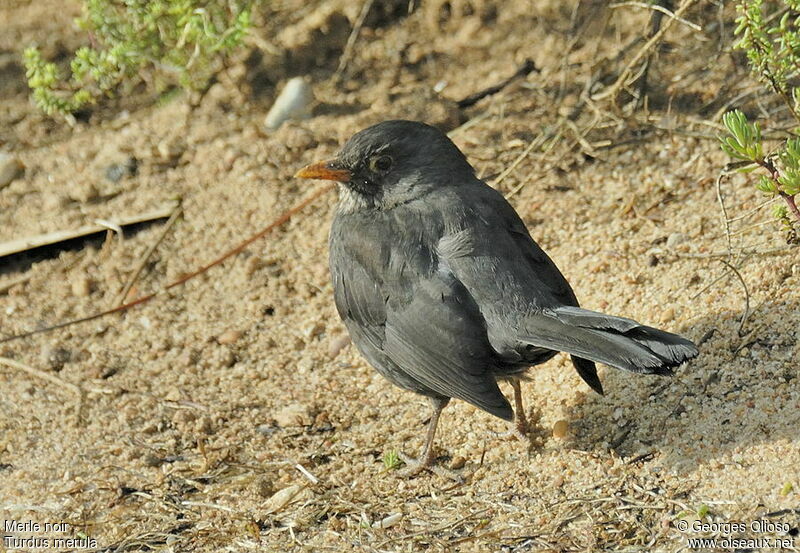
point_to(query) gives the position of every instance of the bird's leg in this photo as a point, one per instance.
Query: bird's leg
(425, 461)
(520, 419)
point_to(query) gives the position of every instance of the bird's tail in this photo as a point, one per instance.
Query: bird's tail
(616, 341)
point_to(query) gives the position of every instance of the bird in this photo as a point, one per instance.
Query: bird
(444, 292)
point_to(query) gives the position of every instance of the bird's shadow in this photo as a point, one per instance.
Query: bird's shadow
(739, 392)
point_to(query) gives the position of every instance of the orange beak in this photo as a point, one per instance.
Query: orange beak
(325, 170)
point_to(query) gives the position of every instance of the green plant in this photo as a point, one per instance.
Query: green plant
(391, 460)
(782, 168)
(159, 42)
(772, 45)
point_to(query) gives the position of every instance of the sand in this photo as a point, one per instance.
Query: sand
(230, 415)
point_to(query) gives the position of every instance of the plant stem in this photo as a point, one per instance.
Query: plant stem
(773, 174)
(789, 199)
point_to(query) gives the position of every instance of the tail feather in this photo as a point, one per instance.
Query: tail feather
(616, 341)
(588, 372)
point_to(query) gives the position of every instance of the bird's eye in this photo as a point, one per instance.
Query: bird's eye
(380, 164)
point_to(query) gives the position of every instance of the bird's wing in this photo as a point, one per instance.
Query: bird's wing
(527, 302)
(439, 338)
(490, 252)
(356, 290)
(416, 313)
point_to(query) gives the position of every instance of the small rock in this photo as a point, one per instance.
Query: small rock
(10, 168)
(227, 358)
(388, 521)
(183, 416)
(55, 357)
(280, 499)
(117, 171)
(252, 265)
(152, 460)
(173, 395)
(171, 148)
(458, 462)
(338, 344)
(560, 429)
(668, 315)
(229, 336)
(293, 102)
(203, 425)
(265, 487)
(293, 414)
(81, 287)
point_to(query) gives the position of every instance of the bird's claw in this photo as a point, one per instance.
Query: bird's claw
(414, 467)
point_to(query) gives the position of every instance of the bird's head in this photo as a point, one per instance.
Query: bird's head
(392, 163)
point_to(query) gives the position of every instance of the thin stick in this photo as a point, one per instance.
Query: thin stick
(746, 313)
(11, 283)
(508, 170)
(625, 73)
(143, 261)
(347, 53)
(263, 232)
(725, 219)
(516, 162)
(304, 471)
(657, 8)
(743, 251)
(473, 99)
(41, 374)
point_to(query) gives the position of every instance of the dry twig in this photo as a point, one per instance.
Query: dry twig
(283, 218)
(143, 260)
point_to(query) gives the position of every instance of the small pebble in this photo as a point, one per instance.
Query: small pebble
(668, 315)
(338, 344)
(171, 148)
(55, 357)
(253, 264)
(280, 499)
(229, 336)
(265, 487)
(388, 521)
(10, 169)
(293, 102)
(458, 462)
(117, 171)
(81, 287)
(560, 429)
(314, 330)
(293, 414)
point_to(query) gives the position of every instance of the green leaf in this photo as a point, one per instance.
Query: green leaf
(175, 42)
(766, 185)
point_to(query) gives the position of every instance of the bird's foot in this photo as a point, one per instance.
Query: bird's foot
(517, 433)
(524, 429)
(414, 467)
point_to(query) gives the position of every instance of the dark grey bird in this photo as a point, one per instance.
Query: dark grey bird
(444, 291)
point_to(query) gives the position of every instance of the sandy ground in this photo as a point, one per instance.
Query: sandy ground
(200, 407)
